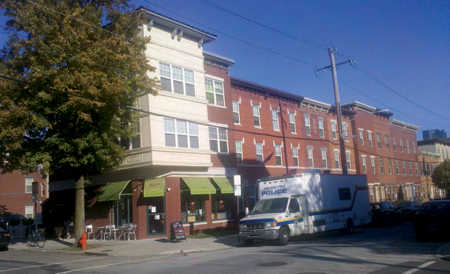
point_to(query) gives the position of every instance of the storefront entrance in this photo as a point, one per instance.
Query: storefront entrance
(156, 216)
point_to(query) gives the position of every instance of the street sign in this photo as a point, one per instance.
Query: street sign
(237, 185)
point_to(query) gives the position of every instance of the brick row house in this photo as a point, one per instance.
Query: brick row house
(204, 127)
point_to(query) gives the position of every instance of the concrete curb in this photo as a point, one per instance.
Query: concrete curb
(443, 251)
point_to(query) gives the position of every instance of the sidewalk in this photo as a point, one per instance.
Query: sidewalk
(139, 248)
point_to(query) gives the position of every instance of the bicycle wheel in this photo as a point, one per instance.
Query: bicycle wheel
(31, 239)
(40, 241)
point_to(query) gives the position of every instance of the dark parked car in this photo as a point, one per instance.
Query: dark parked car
(409, 209)
(4, 235)
(432, 218)
(386, 214)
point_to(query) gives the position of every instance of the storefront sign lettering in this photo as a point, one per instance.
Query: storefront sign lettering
(274, 190)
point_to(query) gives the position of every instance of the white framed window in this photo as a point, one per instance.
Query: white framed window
(236, 116)
(256, 117)
(214, 92)
(292, 122)
(310, 157)
(239, 152)
(417, 169)
(295, 155)
(333, 130)
(361, 136)
(345, 131)
(372, 164)
(394, 144)
(381, 165)
(324, 158)
(321, 128)
(336, 158)
(29, 211)
(42, 190)
(275, 123)
(278, 155)
(389, 166)
(259, 152)
(176, 79)
(184, 134)
(364, 165)
(397, 170)
(379, 140)
(369, 137)
(349, 162)
(401, 145)
(404, 168)
(414, 147)
(307, 125)
(29, 184)
(132, 143)
(407, 147)
(218, 139)
(410, 169)
(386, 141)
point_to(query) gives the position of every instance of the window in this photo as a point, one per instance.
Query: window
(324, 157)
(379, 140)
(321, 132)
(410, 168)
(132, 143)
(345, 131)
(185, 134)
(239, 155)
(310, 157)
(364, 166)
(218, 139)
(278, 154)
(414, 147)
(371, 193)
(193, 207)
(344, 194)
(349, 163)
(397, 171)
(214, 92)
(404, 168)
(295, 155)
(389, 166)
(361, 137)
(421, 169)
(29, 185)
(369, 137)
(251, 196)
(401, 145)
(275, 120)
(259, 152)
(386, 141)
(294, 207)
(336, 158)
(407, 146)
(333, 130)
(236, 118)
(176, 79)
(307, 125)
(256, 120)
(42, 190)
(221, 206)
(381, 165)
(394, 144)
(417, 169)
(292, 122)
(29, 210)
(372, 163)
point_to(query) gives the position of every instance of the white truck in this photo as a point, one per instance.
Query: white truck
(306, 203)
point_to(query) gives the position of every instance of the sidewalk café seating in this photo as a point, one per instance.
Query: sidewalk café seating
(110, 231)
(90, 231)
(131, 231)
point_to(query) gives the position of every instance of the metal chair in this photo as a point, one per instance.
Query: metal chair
(109, 232)
(131, 231)
(90, 231)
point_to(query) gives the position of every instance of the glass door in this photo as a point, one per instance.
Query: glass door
(156, 216)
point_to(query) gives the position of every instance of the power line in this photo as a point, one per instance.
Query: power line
(304, 41)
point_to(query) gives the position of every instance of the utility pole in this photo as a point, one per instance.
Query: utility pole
(284, 137)
(338, 105)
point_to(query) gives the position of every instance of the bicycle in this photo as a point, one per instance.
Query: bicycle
(36, 239)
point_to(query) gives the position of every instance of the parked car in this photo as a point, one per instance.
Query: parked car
(432, 218)
(4, 235)
(386, 214)
(409, 209)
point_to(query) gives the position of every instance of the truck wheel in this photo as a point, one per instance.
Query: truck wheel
(283, 237)
(248, 242)
(349, 229)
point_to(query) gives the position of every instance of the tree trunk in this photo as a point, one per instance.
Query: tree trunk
(79, 209)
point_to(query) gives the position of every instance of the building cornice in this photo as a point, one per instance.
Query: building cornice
(403, 124)
(217, 60)
(433, 142)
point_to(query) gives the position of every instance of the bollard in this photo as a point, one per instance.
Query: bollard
(83, 241)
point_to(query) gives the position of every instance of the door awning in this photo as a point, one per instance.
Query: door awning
(112, 191)
(224, 185)
(199, 186)
(154, 187)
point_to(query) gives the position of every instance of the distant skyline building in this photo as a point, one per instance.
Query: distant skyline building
(434, 133)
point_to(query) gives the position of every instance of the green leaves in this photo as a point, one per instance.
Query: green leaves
(441, 175)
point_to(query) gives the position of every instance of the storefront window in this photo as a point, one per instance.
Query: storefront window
(121, 212)
(221, 206)
(193, 208)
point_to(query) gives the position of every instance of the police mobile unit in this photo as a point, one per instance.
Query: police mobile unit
(306, 203)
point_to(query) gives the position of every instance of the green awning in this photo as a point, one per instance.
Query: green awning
(199, 186)
(154, 187)
(112, 191)
(224, 185)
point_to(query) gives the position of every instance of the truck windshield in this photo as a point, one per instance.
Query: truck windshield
(277, 205)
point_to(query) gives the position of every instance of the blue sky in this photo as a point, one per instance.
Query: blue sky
(404, 44)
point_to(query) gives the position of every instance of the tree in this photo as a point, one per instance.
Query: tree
(67, 85)
(441, 176)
